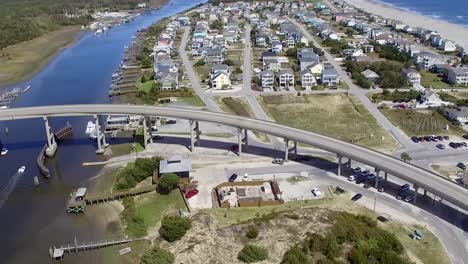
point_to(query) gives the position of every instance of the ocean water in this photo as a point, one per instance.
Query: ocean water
(453, 11)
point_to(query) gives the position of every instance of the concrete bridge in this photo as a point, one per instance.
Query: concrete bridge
(421, 178)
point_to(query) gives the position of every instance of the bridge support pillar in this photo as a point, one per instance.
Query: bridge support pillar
(286, 149)
(194, 134)
(386, 176)
(377, 172)
(51, 143)
(416, 188)
(425, 192)
(340, 159)
(147, 133)
(100, 137)
(246, 139)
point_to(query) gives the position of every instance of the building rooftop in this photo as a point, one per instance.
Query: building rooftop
(176, 163)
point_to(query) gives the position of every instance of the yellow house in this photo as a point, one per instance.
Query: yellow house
(316, 69)
(221, 80)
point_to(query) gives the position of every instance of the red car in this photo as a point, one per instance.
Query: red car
(191, 193)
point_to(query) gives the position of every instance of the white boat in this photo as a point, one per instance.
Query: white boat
(3, 107)
(4, 151)
(99, 31)
(91, 130)
(27, 88)
(21, 169)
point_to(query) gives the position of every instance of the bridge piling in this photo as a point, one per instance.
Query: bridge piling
(239, 141)
(147, 134)
(51, 143)
(377, 172)
(100, 137)
(194, 134)
(246, 139)
(340, 159)
(286, 149)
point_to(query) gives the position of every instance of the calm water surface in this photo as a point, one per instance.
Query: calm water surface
(32, 219)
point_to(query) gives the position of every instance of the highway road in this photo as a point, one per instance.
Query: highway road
(449, 191)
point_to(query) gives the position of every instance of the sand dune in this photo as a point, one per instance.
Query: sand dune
(454, 32)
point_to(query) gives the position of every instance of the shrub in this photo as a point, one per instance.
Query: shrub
(168, 182)
(228, 62)
(174, 227)
(252, 232)
(157, 256)
(252, 253)
(200, 62)
(295, 256)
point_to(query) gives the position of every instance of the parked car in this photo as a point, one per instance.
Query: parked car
(367, 185)
(191, 193)
(404, 187)
(465, 136)
(446, 137)
(233, 177)
(356, 197)
(246, 177)
(408, 198)
(352, 178)
(172, 121)
(339, 190)
(316, 192)
(365, 173)
(440, 146)
(461, 166)
(360, 180)
(357, 170)
(278, 161)
(415, 139)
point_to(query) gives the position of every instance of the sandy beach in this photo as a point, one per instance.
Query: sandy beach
(454, 32)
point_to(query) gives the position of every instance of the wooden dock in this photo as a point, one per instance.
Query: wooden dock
(75, 205)
(58, 252)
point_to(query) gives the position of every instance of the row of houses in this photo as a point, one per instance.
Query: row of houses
(166, 72)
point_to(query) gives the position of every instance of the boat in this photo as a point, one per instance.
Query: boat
(4, 151)
(91, 130)
(21, 169)
(27, 88)
(4, 107)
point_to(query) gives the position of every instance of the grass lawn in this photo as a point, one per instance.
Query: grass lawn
(203, 71)
(240, 107)
(153, 206)
(125, 148)
(429, 79)
(22, 61)
(237, 56)
(192, 100)
(145, 87)
(420, 123)
(338, 115)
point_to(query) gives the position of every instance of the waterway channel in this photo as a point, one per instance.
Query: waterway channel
(34, 218)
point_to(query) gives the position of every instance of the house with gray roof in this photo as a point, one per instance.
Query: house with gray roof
(330, 77)
(458, 76)
(286, 78)
(176, 164)
(307, 79)
(371, 75)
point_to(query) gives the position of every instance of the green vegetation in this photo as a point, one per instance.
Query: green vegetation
(336, 46)
(134, 223)
(174, 227)
(136, 172)
(147, 47)
(21, 61)
(153, 95)
(389, 72)
(252, 232)
(420, 123)
(390, 52)
(359, 234)
(168, 182)
(157, 255)
(151, 207)
(429, 79)
(399, 96)
(237, 106)
(252, 253)
(405, 157)
(337, 115)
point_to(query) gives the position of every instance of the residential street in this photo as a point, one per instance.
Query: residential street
(359, 93)
(206, 98)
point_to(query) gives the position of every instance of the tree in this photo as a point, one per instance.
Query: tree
(405, 157)
(237, 70)
(174, 227)
(256, 80)
(143, 79)
(292, 52)
(200, 62)
(228, 62)
(146, 62)
(168, 182)
(252, 232)
(157, 256)
(252, 253)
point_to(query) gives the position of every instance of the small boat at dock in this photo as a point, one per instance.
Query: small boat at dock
(21, 169)
(4, 151)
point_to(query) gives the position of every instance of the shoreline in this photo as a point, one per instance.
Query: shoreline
(42, 63)
(454, 32)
